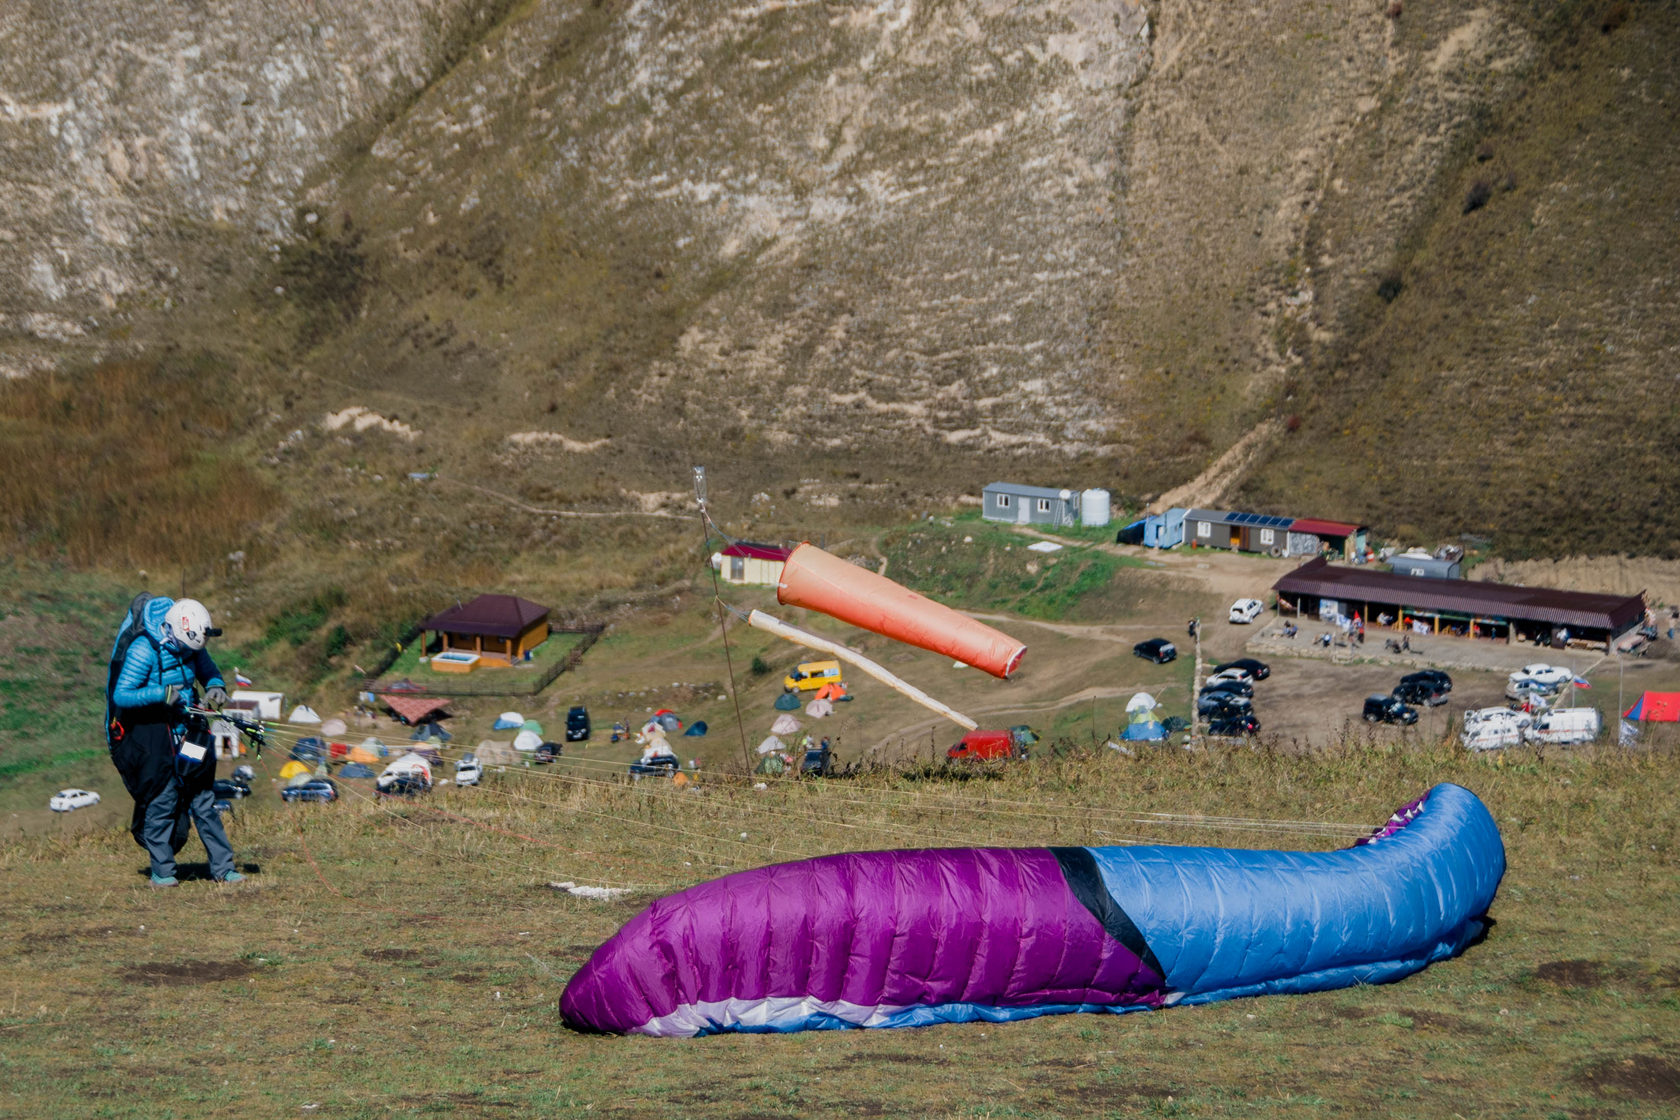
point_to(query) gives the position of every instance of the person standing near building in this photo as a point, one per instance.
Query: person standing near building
(161, 654)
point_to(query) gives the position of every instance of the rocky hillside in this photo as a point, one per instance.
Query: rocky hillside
(857, 255)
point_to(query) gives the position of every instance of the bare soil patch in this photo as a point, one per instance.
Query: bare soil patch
(1571, 974)
(1644, 1076)
(167, 974)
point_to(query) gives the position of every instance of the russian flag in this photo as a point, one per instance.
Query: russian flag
(240, 679)
(1581, 682)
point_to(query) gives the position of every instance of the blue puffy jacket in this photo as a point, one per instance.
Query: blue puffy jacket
(151, 666)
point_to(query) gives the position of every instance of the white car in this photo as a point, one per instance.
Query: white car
(1246, 610)
(468, 771)
(1548, 676)
(67, 799)
(1521, 688)
(1231, 674)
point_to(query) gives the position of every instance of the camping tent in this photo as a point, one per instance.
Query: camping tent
(507, 721)
(376, 745)
(356, 770)
(334, 727)
(293, 768)
(784, 725)
(817, 709)
(787, 702)
(533, 725)
(527, 741)
(833, 690)
(1655, 707)
(1144, 725)
(696, 729)
(303, 713)
(496, 752)
(771, 745)
(363, 753)
(410, 763)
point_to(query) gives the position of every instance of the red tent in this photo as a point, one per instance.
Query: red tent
(1656, 707)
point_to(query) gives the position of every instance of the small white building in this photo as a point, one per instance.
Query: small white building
(747, 563)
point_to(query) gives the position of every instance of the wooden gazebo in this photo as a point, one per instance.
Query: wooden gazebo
(499, 628)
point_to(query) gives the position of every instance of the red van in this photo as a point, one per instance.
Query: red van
(985, 744)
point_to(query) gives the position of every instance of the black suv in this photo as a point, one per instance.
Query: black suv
(1387, 709)
(1441, 682)
(577, 724)
(1420, 692)
(1158, 650)
(818, 762)
(1216, 705)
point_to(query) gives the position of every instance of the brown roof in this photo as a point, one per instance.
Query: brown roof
(1478, 598)
(499, 616)
(415, 709)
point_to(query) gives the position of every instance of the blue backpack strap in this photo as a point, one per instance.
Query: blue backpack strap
(134, 626)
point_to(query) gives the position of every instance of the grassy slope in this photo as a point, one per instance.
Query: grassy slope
(406, 962)
(1526, 368)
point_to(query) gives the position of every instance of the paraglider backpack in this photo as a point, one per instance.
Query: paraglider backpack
(134, 626)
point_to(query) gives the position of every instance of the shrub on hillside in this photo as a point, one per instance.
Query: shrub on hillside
(1477, 196)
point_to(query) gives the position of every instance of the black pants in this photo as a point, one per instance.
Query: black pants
(145, 758)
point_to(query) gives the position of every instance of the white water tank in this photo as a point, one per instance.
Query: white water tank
(1093, 508)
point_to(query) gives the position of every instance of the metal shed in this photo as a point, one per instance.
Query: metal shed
(1029, 505)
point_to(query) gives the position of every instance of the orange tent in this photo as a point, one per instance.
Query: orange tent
(818, 581)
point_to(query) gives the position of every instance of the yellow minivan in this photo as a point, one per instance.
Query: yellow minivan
(810, 675)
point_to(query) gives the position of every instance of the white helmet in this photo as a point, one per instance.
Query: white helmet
(187, 624)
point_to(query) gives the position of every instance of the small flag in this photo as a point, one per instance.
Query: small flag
(1581, 682)
(240, 679)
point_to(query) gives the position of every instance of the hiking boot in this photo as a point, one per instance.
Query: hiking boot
(233, 877)
(159, 881)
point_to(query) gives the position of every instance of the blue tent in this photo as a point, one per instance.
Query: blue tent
(696, 729)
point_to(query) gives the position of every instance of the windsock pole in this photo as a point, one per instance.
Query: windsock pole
(772, 625)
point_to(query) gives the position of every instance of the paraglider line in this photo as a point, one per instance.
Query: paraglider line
(706, 527)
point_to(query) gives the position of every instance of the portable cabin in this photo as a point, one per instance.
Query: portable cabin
(1029, 505)
(1242, 532)
(747, 563)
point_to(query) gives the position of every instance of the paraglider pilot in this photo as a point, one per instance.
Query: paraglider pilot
(169, 776)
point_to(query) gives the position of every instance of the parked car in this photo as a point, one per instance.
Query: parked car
(230, 788)
(818, 762)
(548, 752)
(1521, 690)
(1440, 680)
(404, 783)
(577, 724)
(1259, 670)
(808, 676)
(1234, 726)
(1231, 674)
(659, 766)
(1388, 709)
(1158, 650)
(1216, 704)
(1556, 676)
(67, 799)
(1244, 611)
(1230, 684)
(1419, 692)
(468, 771)
(315, 789)
(985, 745)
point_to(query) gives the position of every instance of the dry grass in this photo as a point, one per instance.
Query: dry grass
(130, 464)
(407, 958)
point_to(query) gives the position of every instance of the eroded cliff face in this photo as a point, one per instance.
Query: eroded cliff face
(146, 147)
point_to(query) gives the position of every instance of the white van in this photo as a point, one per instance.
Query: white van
(1565, 725)
(1492, 729)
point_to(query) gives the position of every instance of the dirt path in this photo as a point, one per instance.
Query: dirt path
(1210, 488)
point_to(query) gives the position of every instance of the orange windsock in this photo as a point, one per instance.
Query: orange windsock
(817, 581)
